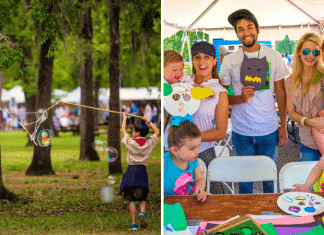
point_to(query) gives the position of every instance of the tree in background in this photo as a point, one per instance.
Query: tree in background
(87, 115)
(175, 42)
(286, 46)
(114, 104)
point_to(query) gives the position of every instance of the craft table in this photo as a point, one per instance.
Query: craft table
(224, 207)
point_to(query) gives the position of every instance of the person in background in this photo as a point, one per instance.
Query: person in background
(154, 114)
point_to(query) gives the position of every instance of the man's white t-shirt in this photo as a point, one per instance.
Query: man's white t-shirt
(259, 117)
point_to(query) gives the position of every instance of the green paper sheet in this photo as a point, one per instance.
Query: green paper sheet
(269, 228)
(318, 230)
(174, 215)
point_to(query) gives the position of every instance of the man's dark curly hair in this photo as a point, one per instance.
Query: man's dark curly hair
(242, 14)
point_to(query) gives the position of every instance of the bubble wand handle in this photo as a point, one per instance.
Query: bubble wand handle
(106, 110)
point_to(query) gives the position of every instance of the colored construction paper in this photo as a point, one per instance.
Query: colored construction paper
(292, 230)
(174, 215)
(269, 228)
(318, 230)
(280, 221)
(311, 224)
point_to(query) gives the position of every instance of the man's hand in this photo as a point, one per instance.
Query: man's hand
(283, 136)
(247, 93)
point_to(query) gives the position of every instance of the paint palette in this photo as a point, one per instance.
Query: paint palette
(301, 203)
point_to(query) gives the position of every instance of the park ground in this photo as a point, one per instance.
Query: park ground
(69, 201)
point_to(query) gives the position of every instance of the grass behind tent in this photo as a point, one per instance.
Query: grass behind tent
(69, 201)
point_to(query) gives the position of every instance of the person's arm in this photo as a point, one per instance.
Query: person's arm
(317, 122)
(282, 104)
(123, 129)
(314, 175)
(151, 124)
(247, 93)
(221, 119)
(200, 184)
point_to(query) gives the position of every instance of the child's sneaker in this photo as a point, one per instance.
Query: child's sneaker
(143, 222)
(133, 227)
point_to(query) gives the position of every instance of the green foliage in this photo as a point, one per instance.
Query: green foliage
(175, 42)
(286, 46)
(8, 56)
(140, 59)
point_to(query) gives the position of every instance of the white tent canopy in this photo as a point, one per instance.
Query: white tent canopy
(17, 93)
(142, 93)
(276, 18)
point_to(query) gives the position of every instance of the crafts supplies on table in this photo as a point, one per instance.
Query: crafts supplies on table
(301, 203)
(240, 226)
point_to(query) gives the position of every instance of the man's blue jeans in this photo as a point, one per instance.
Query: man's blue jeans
(266, 145)
(308, 154)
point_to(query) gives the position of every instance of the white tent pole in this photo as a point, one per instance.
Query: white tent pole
(203, 13)
(183, 40)
(189, 50)
(303, 11)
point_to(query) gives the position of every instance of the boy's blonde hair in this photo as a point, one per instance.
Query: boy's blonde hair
(297, 70)
(171, 56)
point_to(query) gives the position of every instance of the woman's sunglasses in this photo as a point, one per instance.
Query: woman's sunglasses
(306, 51)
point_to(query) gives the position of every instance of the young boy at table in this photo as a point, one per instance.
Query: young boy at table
(135, 180)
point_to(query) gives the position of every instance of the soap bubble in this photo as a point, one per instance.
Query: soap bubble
(112, 154)
(111, 179)
(44, 137)
(41, 115)
(99, 145)
(107, 194)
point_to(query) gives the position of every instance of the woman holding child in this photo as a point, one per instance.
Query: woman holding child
(212, 109)
(186, 141)
(305, 95)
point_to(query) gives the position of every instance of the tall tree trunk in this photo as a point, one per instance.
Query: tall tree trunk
(114, 103)
(41, 163)
(30, 101)
(1, 87)
(87, 121)
(97, 82)
(5, 193)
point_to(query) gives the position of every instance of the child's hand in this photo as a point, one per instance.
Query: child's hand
(197, 85)
(146, 119)
(301, 188)
(201, 194)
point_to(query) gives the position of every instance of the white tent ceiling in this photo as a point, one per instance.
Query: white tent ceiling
(276, 18)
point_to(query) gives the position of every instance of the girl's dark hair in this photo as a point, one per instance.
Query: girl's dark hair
(142, 128)
(185, 130)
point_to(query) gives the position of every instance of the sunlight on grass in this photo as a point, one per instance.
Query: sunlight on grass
(69, 201)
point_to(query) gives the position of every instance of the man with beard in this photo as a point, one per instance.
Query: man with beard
(254, 114)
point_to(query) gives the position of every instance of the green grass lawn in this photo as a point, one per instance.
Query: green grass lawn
(69, 201)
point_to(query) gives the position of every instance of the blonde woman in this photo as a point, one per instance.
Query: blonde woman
(304, 94)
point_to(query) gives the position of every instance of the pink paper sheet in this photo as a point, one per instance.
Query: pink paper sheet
(279, 221)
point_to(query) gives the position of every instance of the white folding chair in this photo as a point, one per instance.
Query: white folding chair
(221, 151)
(294, 173)
(203, 167)
(242, 169)
(228, 137)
